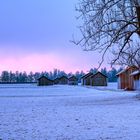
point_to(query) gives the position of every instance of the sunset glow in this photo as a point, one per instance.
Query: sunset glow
(36, 37)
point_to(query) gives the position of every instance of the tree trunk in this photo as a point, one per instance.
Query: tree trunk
(138, 16)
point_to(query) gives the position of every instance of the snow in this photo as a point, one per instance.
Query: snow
(29, 112)
(122, 71)
(112, 86)
(135, 73)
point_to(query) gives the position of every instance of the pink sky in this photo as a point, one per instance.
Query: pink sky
(34, 37)
(43, 62)
(67, 60)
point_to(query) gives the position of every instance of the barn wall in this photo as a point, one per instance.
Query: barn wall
(130, 79)
(44, 81)
(119, 82)
(87, 81)
(98, 80)
(63, 81)
(82, 81)
(137, 84)
(127, 81)
(72, 82)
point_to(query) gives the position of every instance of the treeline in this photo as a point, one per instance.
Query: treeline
(23, 77)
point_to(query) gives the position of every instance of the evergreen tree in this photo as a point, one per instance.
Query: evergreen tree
(5, 76)
(104, 71)
(12, 77)
(31, 77)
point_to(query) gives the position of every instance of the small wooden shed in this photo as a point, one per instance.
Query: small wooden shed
(85, 80)
(73, 80)
(63, 80)
(125, 80)
(44, 81)
(136, 77)
(98, 79)
(56, 81)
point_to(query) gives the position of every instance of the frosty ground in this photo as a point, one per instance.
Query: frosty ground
(28, 112)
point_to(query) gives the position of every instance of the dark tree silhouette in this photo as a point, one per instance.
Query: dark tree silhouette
(108, 24)
(129, 57)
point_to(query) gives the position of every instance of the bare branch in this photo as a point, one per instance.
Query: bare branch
(108, 24)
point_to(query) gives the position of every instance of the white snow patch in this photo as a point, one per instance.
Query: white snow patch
(28, 112)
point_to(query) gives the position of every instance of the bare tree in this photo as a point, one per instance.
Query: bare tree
(129, 57)
(108, 24)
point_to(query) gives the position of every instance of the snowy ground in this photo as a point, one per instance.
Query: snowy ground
(28, 112)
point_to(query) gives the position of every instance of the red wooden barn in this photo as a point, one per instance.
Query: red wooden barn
(125, 80)
(136, 77)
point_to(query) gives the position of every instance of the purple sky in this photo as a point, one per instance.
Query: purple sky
(35, 36)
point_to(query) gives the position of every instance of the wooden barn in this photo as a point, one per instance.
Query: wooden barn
(136, 77)
(125, 80)
(85, 80)
(44, 81)
(98, 79)
(63, 80)
(56, 81)
(73, 80)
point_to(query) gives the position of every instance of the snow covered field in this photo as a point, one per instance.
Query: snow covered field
(28, 112)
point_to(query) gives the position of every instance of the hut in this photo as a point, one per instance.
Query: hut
(44, 81)
(63, 80)
(98, 79)
(136, 77)
(85, 80)
(56, 81)
(73, 80)
(125, 80)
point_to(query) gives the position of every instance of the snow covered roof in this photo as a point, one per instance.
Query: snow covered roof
(44, 77)
(63, 77)
(122, 71)
(90, 74)
(99, 73)
(71, 77)
(135, 73)
(87, 75)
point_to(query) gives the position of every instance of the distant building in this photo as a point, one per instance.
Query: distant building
(56, 81)
(125, 80)
(136, 77)
(44, 81)
(98, 79)
(85, 80)
(63, 80)
(73, 80)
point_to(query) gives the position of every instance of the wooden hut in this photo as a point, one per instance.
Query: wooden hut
(85, 80)
(98, 79)
(73, 80)
(44, 81)
(125, 80)
(136, 77)
(56, 81)
(63, 80)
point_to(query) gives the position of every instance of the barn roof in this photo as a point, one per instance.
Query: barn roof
(44, 76)
(63, 77)
(72, 77)
(124, 70)
(56, 79)
(99, 73)
(87, 75)
(137, 72)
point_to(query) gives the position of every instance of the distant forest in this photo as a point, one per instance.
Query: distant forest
(23, 77)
